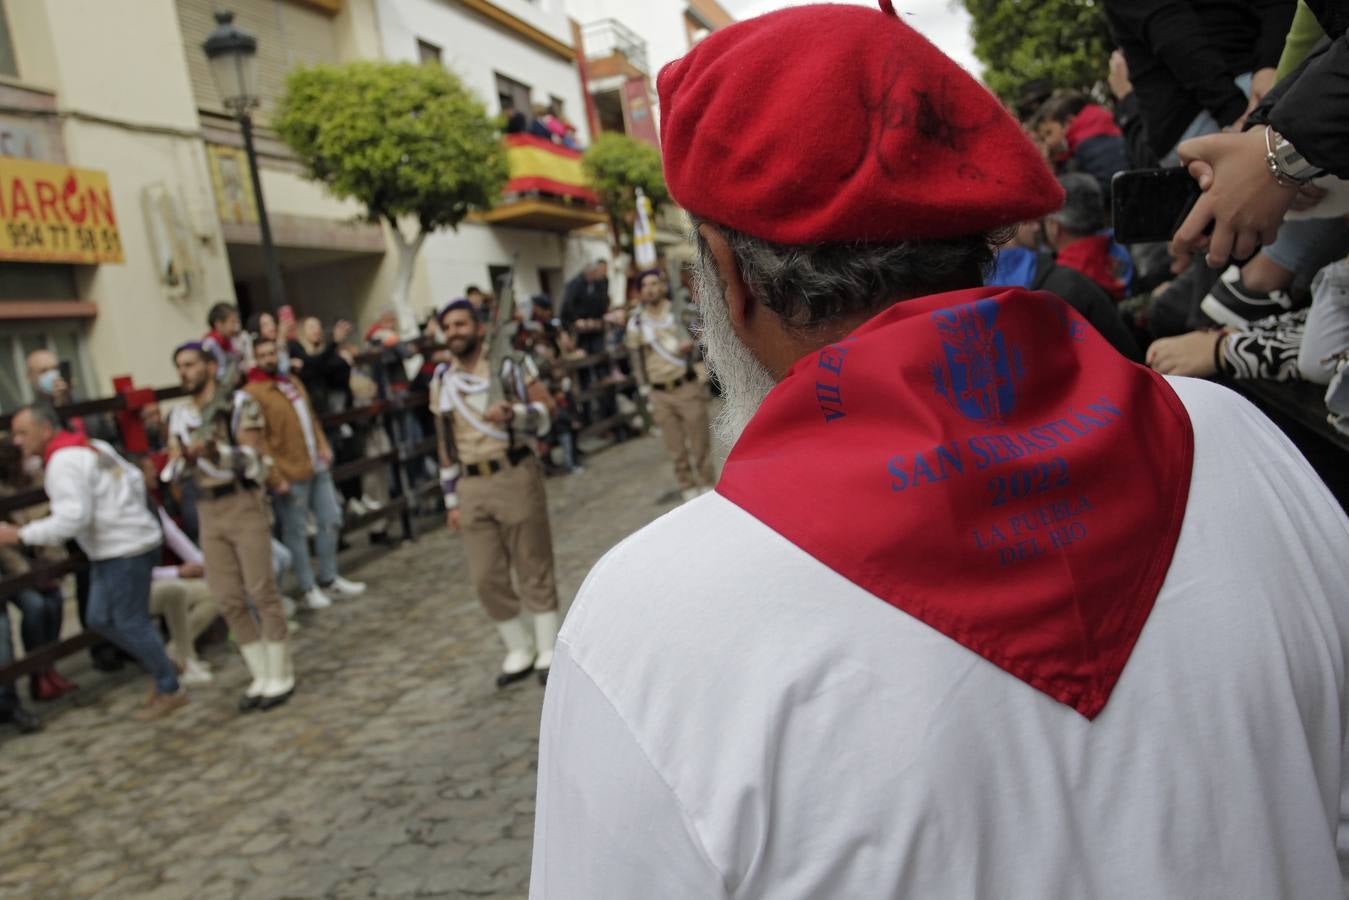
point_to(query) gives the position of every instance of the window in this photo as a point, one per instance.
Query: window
(512, 93)
(65, 339)
(609, 108)
(427, 53)
(8, 65)
(557, 106)
(37, 281)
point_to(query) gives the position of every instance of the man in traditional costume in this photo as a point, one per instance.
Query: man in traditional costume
(979, 608)
(662, 355)
(217, 440)
(493, 486)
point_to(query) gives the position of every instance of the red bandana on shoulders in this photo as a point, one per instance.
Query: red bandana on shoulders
(62, 440)
(984, 461)
(282, 382)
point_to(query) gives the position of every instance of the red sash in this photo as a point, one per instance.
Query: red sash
(282, 382)
(984, 461)
(64, 439)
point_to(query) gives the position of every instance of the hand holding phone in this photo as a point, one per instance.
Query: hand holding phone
(1148, 205)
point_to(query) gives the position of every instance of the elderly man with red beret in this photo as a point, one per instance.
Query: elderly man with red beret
(979, 608)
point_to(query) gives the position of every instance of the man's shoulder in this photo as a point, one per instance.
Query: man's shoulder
(672, 588)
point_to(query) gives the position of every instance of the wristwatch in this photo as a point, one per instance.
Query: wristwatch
(1289, 167)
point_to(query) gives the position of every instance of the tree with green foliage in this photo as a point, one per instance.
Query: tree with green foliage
(1065, 42)
(407, 141)
(616, 166)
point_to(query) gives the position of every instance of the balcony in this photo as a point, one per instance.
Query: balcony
(547, 189)
(612, 49)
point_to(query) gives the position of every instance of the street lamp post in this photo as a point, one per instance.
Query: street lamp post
(232, 53)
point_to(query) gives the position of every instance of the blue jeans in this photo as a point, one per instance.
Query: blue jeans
(9, 696)
(41, 612)
(119, 609)
(1307, 245)
(319, 495)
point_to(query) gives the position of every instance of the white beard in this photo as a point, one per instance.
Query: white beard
(745, 382)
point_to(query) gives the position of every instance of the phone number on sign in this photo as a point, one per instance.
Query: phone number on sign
(63, 239)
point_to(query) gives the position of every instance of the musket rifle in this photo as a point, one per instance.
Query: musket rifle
(500, 337)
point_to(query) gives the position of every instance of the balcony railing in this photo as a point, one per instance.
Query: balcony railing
(606, 37)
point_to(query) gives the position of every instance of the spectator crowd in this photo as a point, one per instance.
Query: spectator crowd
(297, 385)
(1246, 95)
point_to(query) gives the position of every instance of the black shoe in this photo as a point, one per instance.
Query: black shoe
(1233, 304)
(248, 704)
(266, 703)
(22, 719)
(506, 679)
(381, 537)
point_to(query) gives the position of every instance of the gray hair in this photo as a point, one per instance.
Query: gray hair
(41, 411)
(810, 285)
(1083, 209)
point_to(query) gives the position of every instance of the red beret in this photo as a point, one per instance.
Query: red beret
(828, 123)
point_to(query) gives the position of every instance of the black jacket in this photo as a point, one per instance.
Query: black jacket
(1184, 54)
(585, 299)
(1085, 296)
(1311, 106)
(326, 376)
(1129, 118)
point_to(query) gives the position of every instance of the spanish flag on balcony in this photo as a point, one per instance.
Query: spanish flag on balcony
(540, 166)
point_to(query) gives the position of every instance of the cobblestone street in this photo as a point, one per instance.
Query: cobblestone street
(397, 769)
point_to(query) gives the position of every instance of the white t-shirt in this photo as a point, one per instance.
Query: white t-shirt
(726, 717)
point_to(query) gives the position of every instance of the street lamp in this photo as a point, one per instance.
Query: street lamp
(233, 55)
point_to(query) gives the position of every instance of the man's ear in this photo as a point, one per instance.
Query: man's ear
(739, 304)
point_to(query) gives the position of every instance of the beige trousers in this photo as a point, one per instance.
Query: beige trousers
(682, 417)
(186, 604)
(236, 539)
(505, 526)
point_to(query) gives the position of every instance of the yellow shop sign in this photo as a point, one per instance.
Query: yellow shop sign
(55, 213)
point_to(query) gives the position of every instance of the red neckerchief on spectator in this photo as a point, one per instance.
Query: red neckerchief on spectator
(282, 382)
(984, 461)
(1092, 121)
(224, 343)
(1091, 256)
(62, 440)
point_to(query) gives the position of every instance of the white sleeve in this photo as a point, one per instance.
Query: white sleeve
(606, 825)
(178, 542)
(68, 487)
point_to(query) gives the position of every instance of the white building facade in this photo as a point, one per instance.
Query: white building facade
(506, 52)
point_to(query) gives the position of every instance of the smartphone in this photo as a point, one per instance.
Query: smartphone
(1148, 205)
(64, 367)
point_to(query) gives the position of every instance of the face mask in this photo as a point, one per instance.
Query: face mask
(46, 382)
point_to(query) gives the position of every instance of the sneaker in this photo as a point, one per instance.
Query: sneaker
(1232, 304)
(371, 503)
(343, 588)
(355, 507)
(161, 705)
(316, 599)
(195, 673)
(25, 721)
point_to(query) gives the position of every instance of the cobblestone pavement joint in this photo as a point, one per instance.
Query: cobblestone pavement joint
(396, 770)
